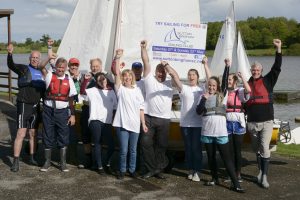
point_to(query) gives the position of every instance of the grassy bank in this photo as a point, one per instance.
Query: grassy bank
(24, 50)
(291, 150)
(252, 52)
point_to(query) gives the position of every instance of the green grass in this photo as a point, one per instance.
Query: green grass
(21, 50)
(253, 52)
(290, 150)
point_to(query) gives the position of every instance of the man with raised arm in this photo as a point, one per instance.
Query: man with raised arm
(31, 88)
(260, 112)
(158, 102)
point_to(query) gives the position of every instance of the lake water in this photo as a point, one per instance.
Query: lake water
(288, 80)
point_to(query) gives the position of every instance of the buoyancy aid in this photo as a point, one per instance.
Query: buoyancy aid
(259, 93)
(58, 89)
(234, 103)
(32, 77)
(214, 106)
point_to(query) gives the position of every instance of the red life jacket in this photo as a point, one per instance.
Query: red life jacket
(58, 89)
(234, 103)
(259, 93)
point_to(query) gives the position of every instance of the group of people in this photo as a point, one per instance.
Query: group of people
(138, 104)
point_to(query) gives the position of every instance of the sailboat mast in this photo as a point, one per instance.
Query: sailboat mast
(117, 33)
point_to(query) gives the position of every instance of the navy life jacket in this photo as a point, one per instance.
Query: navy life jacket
(32, 77)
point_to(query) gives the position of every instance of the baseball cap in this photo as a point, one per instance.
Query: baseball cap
(136, 65)
(74, 61)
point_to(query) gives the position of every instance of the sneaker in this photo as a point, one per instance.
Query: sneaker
(196, 177)
(227, 180)
(190, 175)
(212, 182)
(101, 171)
(107, 169)
(80, 166)
(240, 180)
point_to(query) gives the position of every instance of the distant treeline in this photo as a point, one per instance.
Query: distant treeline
(257, 34)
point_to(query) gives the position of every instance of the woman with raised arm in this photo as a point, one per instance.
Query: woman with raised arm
(214, 132)
(190, 122)
(129, 116)
(235, 118)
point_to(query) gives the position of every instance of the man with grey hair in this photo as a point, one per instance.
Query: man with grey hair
(31, 86)
(260, 112)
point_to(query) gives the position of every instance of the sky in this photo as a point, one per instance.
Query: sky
(33, 18)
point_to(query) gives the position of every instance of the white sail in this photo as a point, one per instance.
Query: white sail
(230, 45)
(243, 64)
(225, 43)
(89, 31)
(97, 28)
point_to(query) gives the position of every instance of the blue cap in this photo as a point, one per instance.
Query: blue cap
(136, 65)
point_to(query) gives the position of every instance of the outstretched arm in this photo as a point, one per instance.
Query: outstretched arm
(174, 75)
(145, 58)
(42, 65)
(224, 85)
(245, 83)
(116, 62)
(206, 68)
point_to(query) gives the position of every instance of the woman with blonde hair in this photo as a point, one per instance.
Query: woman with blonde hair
(129, 116)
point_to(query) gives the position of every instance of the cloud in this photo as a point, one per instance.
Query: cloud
(52, 12)
(56, 2)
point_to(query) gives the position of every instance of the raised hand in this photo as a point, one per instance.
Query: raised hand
(239, 74)
(204, 60)
(277, 43)
(87, 76)
(119, 53)
(227, 62)
(144, 43)
(206, 95)
(10, 48)
(50, 42)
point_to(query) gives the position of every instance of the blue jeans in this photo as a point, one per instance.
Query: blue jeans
(127, 137)
(193, 150)
(101, 132)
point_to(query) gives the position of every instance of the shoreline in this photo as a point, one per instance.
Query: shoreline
(209, 53)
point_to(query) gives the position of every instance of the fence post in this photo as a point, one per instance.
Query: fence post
(9, 71)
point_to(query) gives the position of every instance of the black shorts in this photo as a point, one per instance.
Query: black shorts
(28, 115)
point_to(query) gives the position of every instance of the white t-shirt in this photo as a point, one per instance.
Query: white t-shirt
(239, 116)
(130, 102)
(189, 97)
(214, 125)
(141, 85)
(60, 104)
(102, 103)
(158, 102)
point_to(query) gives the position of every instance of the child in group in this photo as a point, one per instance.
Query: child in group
(129, 116)
(214, 132)
(236, 124)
